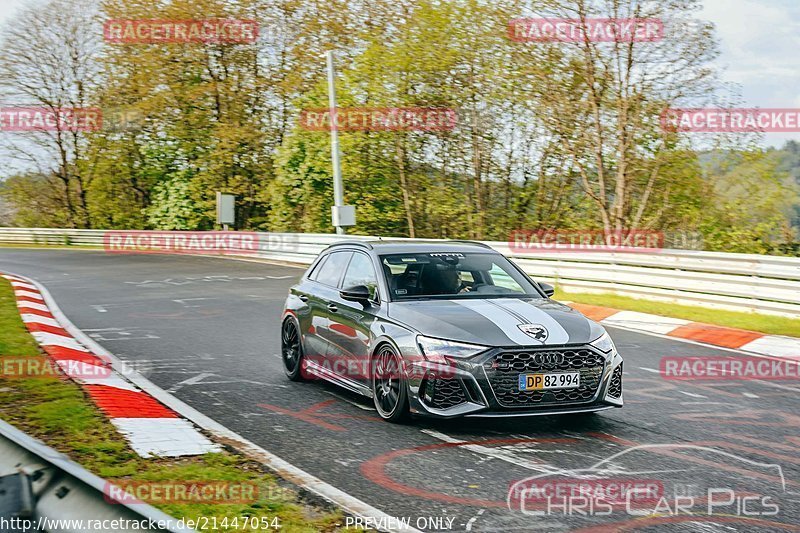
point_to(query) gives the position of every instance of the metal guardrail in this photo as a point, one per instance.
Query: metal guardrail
(742, 282)
(57, 495)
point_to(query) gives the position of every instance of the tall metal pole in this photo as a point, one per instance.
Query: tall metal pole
(338, 188)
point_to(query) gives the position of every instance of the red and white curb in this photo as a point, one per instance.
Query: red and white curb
(720, 336)
(150, 428)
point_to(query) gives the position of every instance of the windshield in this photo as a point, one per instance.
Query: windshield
(454, 275)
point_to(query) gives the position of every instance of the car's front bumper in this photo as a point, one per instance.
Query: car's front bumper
(473, 388)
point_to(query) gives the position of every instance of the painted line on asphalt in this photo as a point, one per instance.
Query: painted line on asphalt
(499, 454)
(473, 520)
(777, 385)
(312, 484)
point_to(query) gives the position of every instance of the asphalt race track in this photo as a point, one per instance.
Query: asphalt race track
(207, 331)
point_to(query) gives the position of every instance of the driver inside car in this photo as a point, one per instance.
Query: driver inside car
(453, 283)
(442, 279)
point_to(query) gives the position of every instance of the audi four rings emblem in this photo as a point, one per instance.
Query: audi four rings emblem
(548, 359)
(537, 331)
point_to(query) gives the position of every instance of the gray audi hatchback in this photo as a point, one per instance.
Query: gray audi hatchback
(444, 329)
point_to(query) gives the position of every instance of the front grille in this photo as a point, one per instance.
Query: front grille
(444, 393)
(504, 369)
(615, 387)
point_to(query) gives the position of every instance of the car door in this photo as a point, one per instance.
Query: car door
(350, 322)
(324, 287)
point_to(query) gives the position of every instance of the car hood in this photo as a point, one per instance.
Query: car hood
(497, 321)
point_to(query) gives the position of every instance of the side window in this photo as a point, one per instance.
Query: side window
(501, 278)
(331, 271)
(314, 273)
(361, 272)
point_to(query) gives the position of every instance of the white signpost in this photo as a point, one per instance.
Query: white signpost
(226, 210)
(341, 215)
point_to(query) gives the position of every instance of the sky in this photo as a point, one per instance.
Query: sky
(760, 45)
(8, 7)
(759, 41)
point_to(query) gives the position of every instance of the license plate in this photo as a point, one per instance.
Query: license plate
(561, 380)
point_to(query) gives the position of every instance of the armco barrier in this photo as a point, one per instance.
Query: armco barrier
(43, 486)
(742, 282)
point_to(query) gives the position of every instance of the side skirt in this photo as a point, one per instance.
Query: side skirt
(337, 379)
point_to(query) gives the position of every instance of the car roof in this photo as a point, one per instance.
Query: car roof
(411, 246)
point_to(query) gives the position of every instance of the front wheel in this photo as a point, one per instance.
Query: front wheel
(389, 390)
(291, 351)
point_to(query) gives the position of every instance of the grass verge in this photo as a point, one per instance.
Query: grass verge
(58, 412)
(772, 325)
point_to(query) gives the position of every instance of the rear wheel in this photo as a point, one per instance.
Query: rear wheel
(389, 390)
(291, 350)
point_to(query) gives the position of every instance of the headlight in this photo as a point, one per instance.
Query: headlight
(605, 344)
(437, 349)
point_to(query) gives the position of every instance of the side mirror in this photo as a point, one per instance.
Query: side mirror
(548, 289)
(357, 293)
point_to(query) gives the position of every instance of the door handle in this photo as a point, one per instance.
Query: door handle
(303, 298)
(332, 308)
